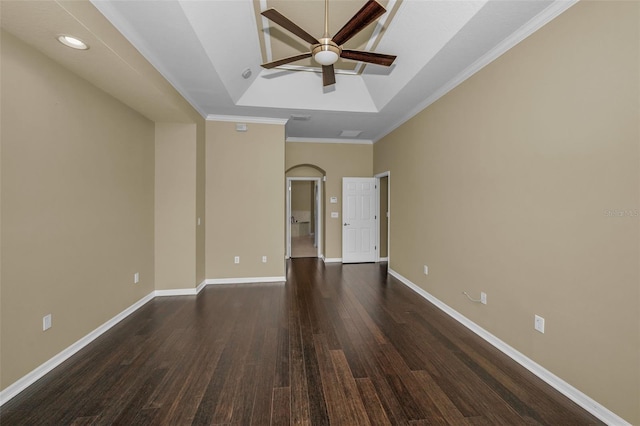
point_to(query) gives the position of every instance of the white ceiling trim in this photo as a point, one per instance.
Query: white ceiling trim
(246, 119)
(323, 140)
(537, 22)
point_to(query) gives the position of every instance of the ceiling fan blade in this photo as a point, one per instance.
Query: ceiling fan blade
(284, 61)
(371, 11)
(371, 57)
(289, 25)
(328, 75)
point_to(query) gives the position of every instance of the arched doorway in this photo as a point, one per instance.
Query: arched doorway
(304, 211)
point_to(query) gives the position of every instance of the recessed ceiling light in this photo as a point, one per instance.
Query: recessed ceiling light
(72, 42)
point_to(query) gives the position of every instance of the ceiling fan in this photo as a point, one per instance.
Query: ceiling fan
(326, 50)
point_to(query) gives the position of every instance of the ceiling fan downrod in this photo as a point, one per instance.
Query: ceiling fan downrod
(326, 52)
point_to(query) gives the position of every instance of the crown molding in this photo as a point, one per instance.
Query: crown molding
(324, 140)
(243, 119)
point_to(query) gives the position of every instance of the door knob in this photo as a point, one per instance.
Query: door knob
(346, 224)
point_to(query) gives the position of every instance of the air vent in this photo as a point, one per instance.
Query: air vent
(350, 133)
(299, 117)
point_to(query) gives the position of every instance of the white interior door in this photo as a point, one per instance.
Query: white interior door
(358, 220)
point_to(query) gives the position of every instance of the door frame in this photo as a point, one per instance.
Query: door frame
(378, 176)
(318, 213)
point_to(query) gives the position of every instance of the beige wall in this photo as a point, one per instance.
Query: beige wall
(302, 195)
(77, 208)
(179, 203)
(245, 203)
(338, 161)
(175, 206)
(503, 186)
(200, 200)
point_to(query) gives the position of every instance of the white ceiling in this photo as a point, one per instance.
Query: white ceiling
(202, 47)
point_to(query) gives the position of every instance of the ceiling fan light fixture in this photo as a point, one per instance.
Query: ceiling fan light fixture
(326, 57)
(326, 53)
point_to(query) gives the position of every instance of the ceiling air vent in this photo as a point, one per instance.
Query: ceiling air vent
(350, 133)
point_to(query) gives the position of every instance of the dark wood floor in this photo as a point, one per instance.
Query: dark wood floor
(338, 344)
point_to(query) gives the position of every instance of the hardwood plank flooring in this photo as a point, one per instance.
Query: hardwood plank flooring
(303, 247)
(335, 345)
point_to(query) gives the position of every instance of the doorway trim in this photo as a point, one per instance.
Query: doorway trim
(318, 213)
(378, 176)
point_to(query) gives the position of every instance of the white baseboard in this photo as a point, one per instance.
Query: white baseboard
(181, 291)
(583, 400)
(332, 260)
(176, 292)
(556, 382)
(246, 280)
(384, 259)
(31, 377)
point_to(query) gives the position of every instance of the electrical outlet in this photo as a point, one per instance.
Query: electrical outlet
(136, 278)
(264, 259)
(236, 259)
(538, 323)
(46, 322)
(426, 270)
(483, 297)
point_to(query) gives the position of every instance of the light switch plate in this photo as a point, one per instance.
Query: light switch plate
(333, 200)
(46, 322)
(538, 323)
(335, 215)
